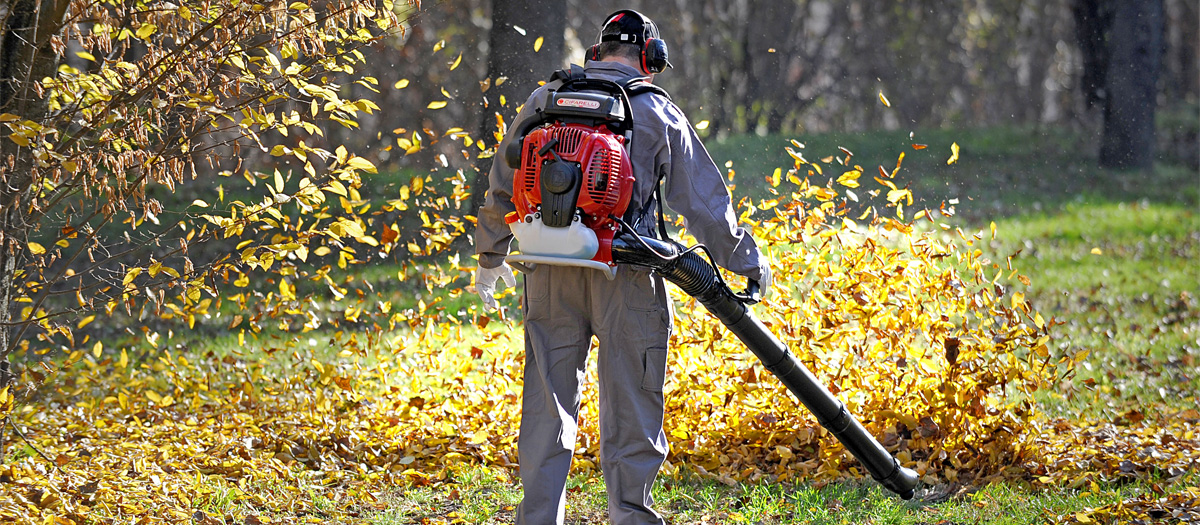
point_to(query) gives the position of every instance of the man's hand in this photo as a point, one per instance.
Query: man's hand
(485, 283)
(764, 279)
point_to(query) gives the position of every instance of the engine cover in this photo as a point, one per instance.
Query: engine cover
(597, 157)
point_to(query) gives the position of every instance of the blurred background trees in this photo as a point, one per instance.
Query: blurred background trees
(806, 66)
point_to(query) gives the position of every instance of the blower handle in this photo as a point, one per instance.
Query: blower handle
(753, 293)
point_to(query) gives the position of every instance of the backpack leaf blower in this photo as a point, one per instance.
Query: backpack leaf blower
(572, 183)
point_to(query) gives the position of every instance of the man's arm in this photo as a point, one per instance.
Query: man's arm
(695, 188)
(492, 234)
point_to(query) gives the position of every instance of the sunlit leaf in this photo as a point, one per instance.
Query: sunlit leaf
(953, 154)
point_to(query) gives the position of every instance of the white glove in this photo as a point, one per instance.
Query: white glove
(764, 279)
(485, 283)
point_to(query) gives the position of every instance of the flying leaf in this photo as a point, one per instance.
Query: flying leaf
(401, 84)
(537, 44)
(702, 125)
(360, 163)
(36, 249)
(437, 104)
(884, 100)
(953, 154)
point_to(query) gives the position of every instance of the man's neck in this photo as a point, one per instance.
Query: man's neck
(626, 61)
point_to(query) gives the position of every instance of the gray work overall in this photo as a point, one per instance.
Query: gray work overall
(629, 315)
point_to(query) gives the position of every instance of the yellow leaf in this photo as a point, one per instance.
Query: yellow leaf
(36, 249)
(124, 362)
(537, 44)
(480, 436)
(702, 125)
(85, 55)
(360, 163)
(146, 30)
(884, 100)
(850, 178)
(336, 188)
(97, 349)
(401, 84)
(1095, 251)
(437, 104)
(457, 61)
(953, 154)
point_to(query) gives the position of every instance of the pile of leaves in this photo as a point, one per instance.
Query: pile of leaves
(929, 343)
(911, 328)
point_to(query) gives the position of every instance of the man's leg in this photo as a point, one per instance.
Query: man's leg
(557, 337)
(633, 332)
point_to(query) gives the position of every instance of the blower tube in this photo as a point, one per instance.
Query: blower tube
(698, 278)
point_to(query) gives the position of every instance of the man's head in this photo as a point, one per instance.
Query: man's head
(629, 35)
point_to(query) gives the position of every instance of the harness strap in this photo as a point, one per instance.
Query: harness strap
(633, 87)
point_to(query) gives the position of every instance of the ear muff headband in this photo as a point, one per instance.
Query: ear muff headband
(653, 48)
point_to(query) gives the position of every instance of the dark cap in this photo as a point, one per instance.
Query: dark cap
(629, 27)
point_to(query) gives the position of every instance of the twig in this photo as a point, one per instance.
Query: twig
(29, 443)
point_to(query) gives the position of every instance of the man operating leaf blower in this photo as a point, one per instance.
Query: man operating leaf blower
(590, 150)
(590, 161)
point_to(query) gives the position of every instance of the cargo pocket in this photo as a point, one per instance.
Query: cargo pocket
(537, 292)
(654, 374)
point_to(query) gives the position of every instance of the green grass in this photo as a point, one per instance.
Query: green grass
(1124, 282)
(488, 496)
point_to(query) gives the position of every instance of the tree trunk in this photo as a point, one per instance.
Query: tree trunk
(516, 26)
(26, 56)
(1135, 45)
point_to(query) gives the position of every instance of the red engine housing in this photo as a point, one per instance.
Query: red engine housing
(607, 184)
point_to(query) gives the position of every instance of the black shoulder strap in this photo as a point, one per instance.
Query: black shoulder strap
(634, 87)
(575, 72)
(638, 85)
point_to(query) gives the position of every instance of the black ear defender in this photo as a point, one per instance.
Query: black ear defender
(634, 28)
(654, 56)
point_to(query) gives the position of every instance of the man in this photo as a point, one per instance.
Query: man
(629, 315)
